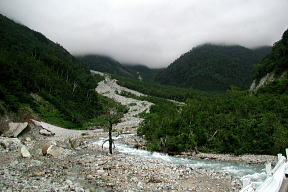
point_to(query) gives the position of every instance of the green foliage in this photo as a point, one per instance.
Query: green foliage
(110, 65)
(48, 112)
(105, 64)
(232, 123)
(279, 86)
(30, 63)
(72, 143)
(276, 61)
(2, 108)
(102, 121)
(212, 68)
(157, 90)
(146, 73)
(235, 122)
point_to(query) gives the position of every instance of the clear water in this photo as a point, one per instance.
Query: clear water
(239, 170)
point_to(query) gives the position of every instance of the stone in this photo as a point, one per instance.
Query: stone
(53, 150)
(27, 139)
(10, 143)
(46, 132)
(89, 177)
(39, 174)
(24, 152)
(100, 172)
(45, 149)
(69, 182)
(15, 129)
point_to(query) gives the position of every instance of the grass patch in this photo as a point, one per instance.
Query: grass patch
(132, 104)
(48, 112)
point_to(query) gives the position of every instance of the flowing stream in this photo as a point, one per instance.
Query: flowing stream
(110, 88)
(237, 169)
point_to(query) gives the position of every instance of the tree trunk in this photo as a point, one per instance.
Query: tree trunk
(110, 138)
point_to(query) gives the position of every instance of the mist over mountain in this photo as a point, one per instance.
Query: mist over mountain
(212, 67)
(143, 72)
(109, 65)
(105, 64)
(151, 32)
(39, 79)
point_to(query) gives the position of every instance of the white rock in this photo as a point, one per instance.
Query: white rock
(15, 129)
(24, 152)
(45, 132)
(69, 182)
(28, 139)
(46, 149)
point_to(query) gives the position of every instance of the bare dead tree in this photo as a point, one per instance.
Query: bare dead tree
(113, 117)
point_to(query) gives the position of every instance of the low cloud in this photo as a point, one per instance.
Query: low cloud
(152, 32)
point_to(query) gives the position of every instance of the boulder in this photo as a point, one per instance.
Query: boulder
(53, 151)
(24, 152)
(10, 143)
(46, 148)
(14, 129)
(46, 132)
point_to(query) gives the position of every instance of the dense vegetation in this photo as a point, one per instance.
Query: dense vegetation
(146, 73)
(276, 61)
(213, 68)
(39, 77)
(105, 64)
(158, 90)
(233, 122)
(110, 65)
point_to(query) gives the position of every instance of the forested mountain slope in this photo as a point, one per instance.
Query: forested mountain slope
(109, 65)
(146, 73)
(232, 122)
(105, 64)
(273, 69)
(213, 67)
(32, 65)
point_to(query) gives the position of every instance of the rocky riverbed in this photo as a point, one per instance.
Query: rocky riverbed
(69, 160)
(83, 166)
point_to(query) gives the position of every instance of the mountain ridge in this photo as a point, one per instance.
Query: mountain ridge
(32, 65)
(271, 74)
(213, 67)
(110, 65)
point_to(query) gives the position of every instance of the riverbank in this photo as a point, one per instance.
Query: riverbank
(83, 166)
(249, 159)
(69, 160)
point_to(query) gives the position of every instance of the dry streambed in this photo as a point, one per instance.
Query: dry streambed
(112, 90)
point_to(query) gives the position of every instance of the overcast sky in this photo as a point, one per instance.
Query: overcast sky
(152, 32)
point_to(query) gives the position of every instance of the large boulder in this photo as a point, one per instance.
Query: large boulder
(55, 151)
(14, 129)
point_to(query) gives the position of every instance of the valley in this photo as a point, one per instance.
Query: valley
(193, 126)
(77, 161)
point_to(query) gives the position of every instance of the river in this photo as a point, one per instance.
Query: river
(110, 88)
(256, 173)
